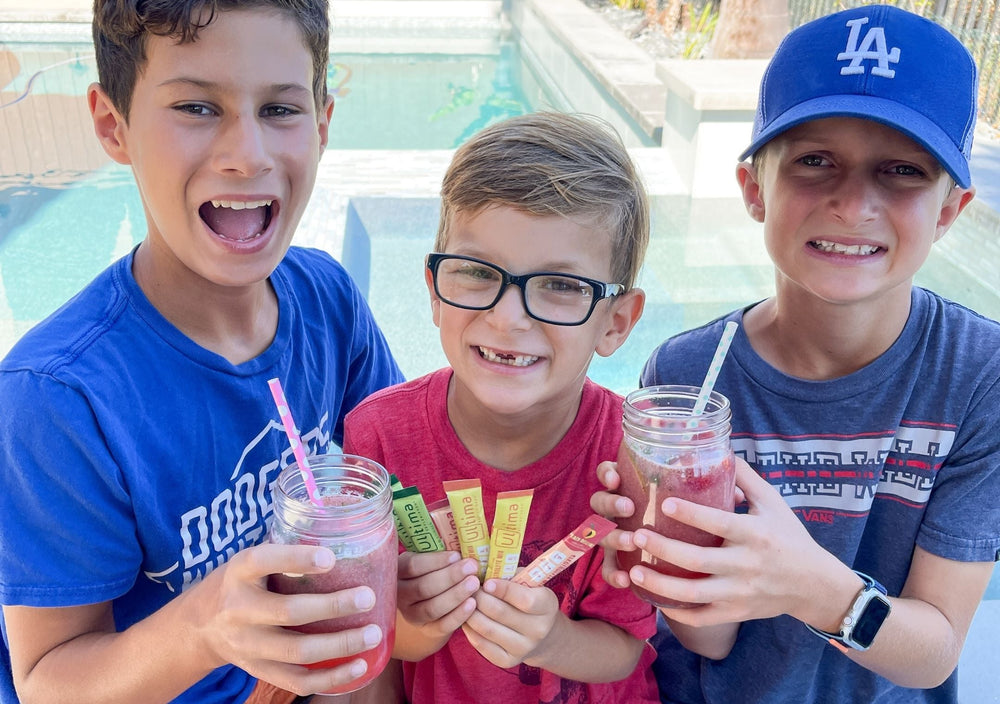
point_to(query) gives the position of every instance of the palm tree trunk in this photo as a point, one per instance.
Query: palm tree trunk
(749, 29)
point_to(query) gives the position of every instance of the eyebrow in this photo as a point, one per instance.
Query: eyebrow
(213, 86)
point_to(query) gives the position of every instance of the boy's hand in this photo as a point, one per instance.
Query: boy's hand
(613, 506)
(512, 622)
(435, 591)
(764, 567)
(240, 622)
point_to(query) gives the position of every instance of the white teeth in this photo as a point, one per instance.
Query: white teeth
(514, 360)
(240, 204)
(854, 249)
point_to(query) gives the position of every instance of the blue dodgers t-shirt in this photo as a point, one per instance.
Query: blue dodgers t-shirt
(900, 453)
(156, 454)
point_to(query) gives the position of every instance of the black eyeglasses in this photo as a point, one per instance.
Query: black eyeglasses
(550, 297)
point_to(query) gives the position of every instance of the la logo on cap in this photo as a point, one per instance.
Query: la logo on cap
(875, 36)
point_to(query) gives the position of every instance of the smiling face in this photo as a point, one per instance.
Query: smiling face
(506, 363)
(850, 209)
(224, 139)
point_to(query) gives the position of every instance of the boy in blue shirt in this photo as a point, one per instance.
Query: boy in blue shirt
(139, 440)
(867, 406)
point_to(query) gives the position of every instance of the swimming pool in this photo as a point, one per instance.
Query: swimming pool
(389, 100)
(407, 92)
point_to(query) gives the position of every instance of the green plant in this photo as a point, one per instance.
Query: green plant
(700, 29)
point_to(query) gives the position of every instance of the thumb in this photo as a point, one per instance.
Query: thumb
(755, 488)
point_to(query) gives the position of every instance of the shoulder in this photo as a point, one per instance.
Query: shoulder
(410, 397)
(945, 316)
(685, 352)
(77, 330)
(956, 335)
(600, 400)
(308, 267)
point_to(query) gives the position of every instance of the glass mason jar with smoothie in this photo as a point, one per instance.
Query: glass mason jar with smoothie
(667, 451)
(353, 517)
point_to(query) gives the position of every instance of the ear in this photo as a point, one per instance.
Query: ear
(748, 178)
(435, 301)
(109, 125)
(625, 313)
(953, 205)
(325, 115)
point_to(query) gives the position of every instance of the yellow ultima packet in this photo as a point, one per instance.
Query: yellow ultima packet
(509, 522)
(466, 499)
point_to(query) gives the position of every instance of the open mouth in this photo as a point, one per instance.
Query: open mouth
(513, 360)
(239, 221)
(852, 250)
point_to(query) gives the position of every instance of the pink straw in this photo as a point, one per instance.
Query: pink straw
(293, 439)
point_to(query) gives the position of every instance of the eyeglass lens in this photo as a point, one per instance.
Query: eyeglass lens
(552, 297)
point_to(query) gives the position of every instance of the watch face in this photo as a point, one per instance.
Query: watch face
(869, 622)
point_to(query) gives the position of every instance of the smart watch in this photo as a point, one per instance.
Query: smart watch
(863, 619)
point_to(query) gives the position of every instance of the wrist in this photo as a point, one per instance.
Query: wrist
(824, 598)
(553, 647)
(862, 620)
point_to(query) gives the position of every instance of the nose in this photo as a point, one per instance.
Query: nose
(854, 200)
(509, 312)
(241, 147)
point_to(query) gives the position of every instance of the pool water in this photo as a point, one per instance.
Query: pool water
(417, 100)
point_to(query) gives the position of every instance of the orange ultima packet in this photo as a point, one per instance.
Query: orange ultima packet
(466, 499)
(578, 543)
(509, 522)
(444, 521)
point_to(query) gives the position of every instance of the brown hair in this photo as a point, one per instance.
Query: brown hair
(122, 27)
(553, 164)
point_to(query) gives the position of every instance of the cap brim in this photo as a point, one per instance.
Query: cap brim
(887, 112)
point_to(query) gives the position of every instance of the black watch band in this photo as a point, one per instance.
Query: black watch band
(863, 620)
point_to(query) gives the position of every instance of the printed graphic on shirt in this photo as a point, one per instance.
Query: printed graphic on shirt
(825, 475)
(236, 517)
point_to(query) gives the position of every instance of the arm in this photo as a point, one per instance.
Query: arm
(434, 598)
(75, 654)
(770, 565)
(514, 624)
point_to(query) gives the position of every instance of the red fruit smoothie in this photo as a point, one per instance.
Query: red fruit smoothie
(706, 478)
(369, 560)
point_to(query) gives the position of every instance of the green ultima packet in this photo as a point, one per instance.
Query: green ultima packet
(413, 522)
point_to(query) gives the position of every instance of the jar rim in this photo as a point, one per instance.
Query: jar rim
(361, 476)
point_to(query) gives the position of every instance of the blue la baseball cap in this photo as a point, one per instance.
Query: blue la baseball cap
(877, 63)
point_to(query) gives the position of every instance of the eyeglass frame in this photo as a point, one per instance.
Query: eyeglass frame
(601, 289)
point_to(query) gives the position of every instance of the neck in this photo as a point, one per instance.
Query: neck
(236, 322)
(811, 339)
(508, 442)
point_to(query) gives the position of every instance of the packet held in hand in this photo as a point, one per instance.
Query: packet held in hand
(466, 499)
(578, 543)
(509, 522)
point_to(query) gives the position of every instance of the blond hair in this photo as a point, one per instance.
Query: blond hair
(553, 163)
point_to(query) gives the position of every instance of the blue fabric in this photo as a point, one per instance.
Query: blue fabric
(122, 435)
(880, 63)
(903, 452)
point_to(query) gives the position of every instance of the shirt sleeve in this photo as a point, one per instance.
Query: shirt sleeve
(62, 490)
(962, 521)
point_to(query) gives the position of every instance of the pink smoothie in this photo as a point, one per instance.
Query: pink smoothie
(647, 483)
(373, 565)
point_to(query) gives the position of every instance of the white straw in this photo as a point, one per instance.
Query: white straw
(713, 372)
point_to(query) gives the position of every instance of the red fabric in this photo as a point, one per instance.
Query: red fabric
(267, 693)
(406, 428)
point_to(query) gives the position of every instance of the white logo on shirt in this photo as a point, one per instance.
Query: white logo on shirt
(875, 36)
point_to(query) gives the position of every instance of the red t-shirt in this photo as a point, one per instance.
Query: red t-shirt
(406, 428)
